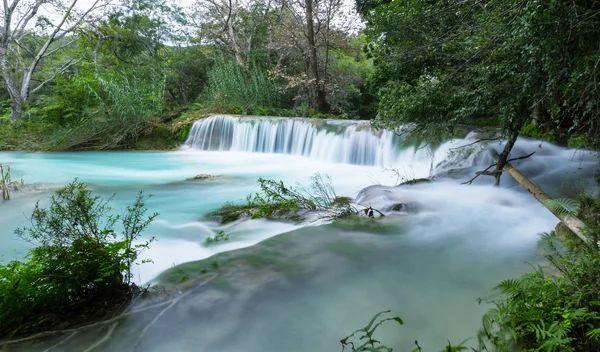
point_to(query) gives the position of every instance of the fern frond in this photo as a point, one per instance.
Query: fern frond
(511, 287)
(563, 206)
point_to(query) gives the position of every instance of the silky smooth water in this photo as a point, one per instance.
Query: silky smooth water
(429, 267)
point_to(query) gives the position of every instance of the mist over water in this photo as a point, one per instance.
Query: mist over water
(308, 288)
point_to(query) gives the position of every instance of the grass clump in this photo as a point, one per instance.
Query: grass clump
(230, 87)
(275, 199)
(80, 267)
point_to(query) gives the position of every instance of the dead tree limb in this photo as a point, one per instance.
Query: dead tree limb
(477, 141)
(493, 173)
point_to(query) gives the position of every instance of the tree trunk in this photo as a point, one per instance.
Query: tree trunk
(572, 222)
(234, 45)
(318, 94)
(16, 109)
(505, 153)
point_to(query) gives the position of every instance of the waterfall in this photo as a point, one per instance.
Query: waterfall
(348, 142)
(334, 141)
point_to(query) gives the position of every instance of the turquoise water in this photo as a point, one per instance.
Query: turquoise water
(429, 267)
(180, 201)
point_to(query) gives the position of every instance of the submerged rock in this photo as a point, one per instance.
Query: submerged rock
(204, 177)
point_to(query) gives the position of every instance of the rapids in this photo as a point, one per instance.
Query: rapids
(306, 289)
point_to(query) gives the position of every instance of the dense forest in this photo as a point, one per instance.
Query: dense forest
(136, 74)
(99, 77)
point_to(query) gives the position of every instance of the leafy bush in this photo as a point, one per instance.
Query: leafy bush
(535, 131)
(79, 264)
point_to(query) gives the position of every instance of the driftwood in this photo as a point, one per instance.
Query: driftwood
(572, 222)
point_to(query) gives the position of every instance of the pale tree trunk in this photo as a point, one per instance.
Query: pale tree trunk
(16, 109)
(231, 34)
(17, 17)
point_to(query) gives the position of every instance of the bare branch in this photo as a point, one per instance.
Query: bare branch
(477, 141)
(59, 71)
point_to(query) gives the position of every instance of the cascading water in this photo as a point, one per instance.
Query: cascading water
(333, 141)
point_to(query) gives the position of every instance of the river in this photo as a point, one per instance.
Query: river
(308, 288)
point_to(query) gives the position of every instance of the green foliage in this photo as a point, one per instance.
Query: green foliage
(220, 236)
(535, 131)
(538, 312)
(275, 199)
(123, 104)
(440, 63)
(563, 206)
(372, 345)
(80, 262)
(229, 86)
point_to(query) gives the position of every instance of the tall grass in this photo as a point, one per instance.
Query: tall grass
(232, 87)
(127, 105)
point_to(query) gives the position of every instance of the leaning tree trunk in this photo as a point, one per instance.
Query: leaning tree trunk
(572, 222)
(503, 157)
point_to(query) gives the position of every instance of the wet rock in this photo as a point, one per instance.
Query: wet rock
(398, 207)
(204, 177)
(414, 182)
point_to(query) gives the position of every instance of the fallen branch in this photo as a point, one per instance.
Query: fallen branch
(369, 212)
(494, 173)
(477, 174)
(572, 222)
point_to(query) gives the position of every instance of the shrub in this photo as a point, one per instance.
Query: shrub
(79, 264)
(560, 312)
(276, 199)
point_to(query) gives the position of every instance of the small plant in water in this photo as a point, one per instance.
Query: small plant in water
(367, 334)
(373, 345)
(220, 236)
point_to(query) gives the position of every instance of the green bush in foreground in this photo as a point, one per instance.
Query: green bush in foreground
(79, 266)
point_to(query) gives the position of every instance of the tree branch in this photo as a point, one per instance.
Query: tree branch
(477, 141)
(485, 172)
